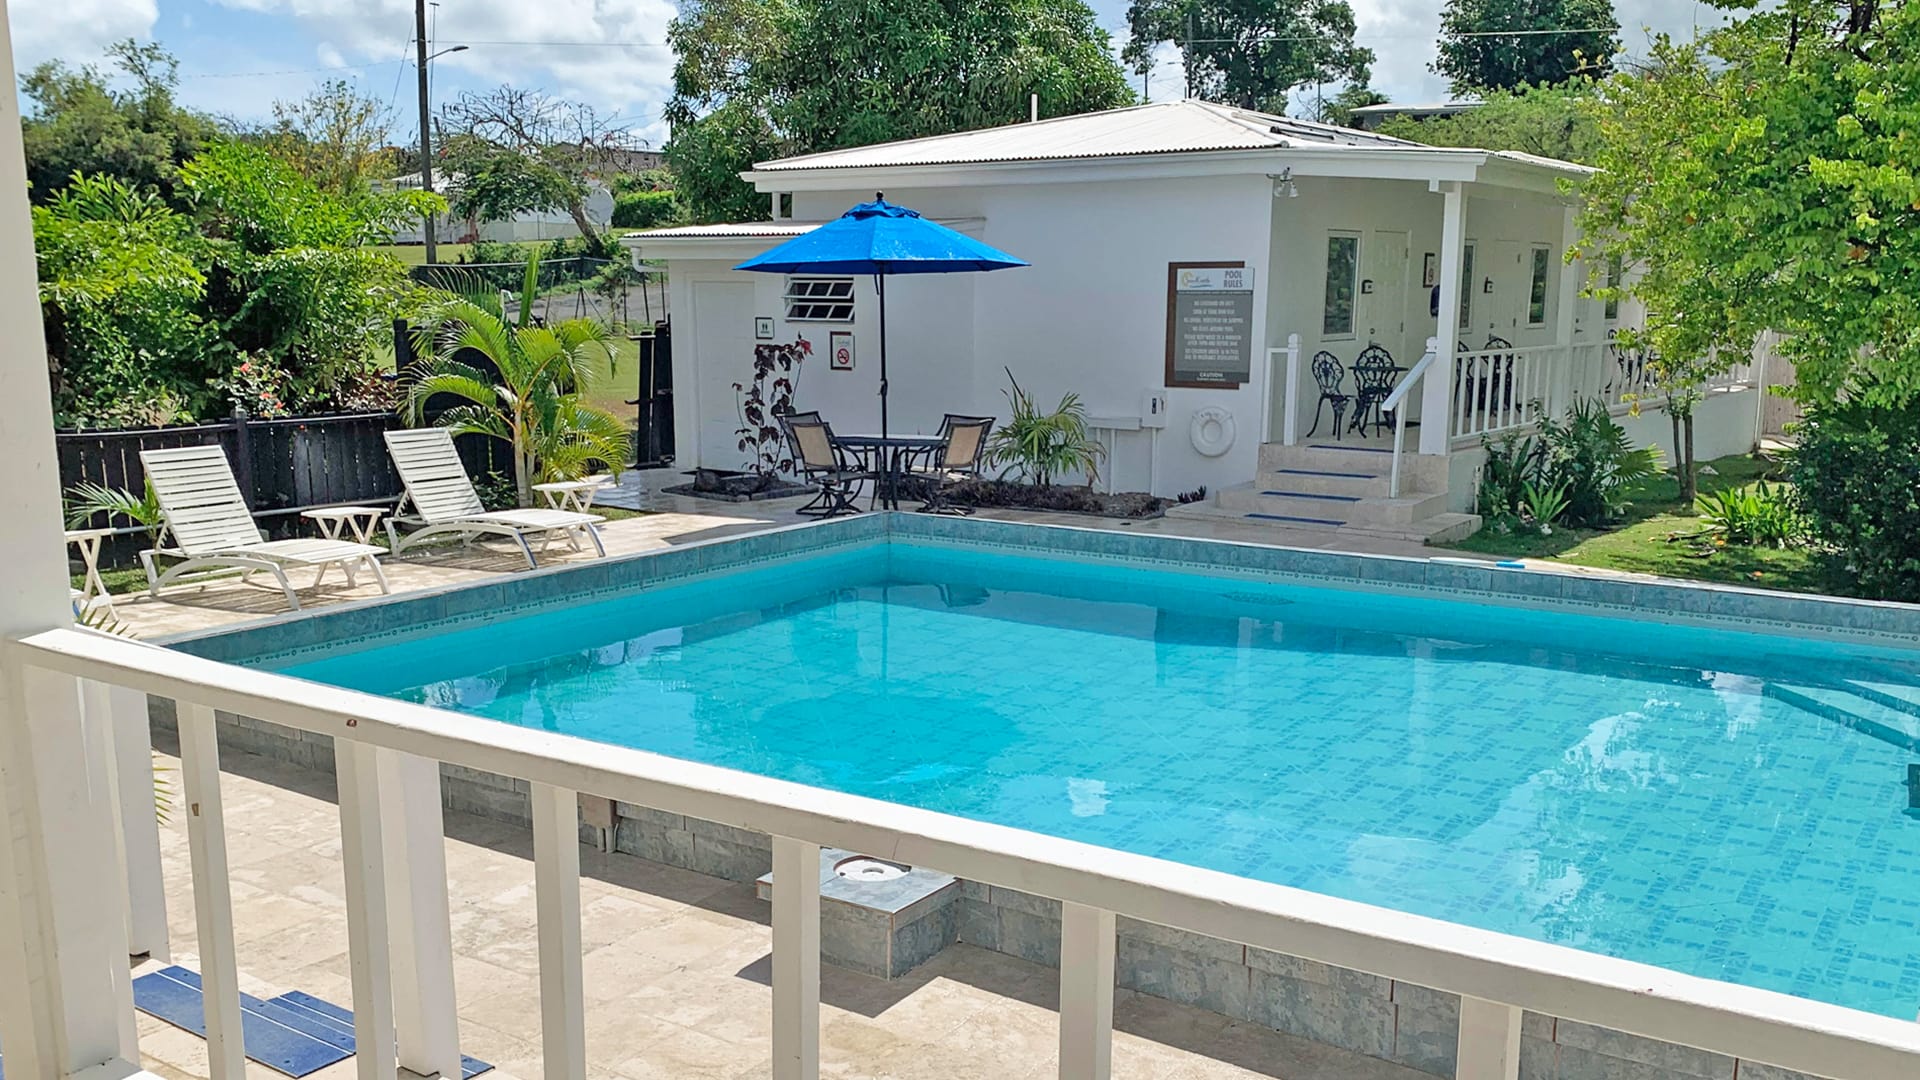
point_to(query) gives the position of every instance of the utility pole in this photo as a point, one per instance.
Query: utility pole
(426, 129)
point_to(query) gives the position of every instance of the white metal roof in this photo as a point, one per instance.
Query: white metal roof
(1163, 128)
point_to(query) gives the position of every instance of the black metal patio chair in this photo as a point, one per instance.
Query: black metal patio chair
(1330, 376)
(1373, 379)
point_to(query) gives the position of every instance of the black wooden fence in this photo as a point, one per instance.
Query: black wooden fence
(282, 466)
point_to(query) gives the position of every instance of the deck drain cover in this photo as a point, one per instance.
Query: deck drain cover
(867, 868)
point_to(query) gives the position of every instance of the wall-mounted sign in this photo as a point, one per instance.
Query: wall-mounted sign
(1209, 324)
(840, 351)
(763, 328)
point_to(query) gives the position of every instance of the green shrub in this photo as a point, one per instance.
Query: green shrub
(1583, 458)
(644, 209)
(1853, 482)
(1589, 455)
(1039, 446)
(1759, 515)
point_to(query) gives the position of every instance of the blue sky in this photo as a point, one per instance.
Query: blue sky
(239, 56)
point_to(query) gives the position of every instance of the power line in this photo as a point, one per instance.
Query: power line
(574, 44)
(291, 71)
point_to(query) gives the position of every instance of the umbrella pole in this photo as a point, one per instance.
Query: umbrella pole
(880, 284)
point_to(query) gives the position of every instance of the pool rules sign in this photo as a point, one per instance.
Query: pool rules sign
(1209, 324)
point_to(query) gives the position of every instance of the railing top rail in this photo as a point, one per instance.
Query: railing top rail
(1753, 1024)
(1414, 375)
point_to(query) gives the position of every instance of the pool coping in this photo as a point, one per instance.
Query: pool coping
(1844, 619)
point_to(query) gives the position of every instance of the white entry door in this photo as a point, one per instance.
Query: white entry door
(1384, 271)
(723, 355)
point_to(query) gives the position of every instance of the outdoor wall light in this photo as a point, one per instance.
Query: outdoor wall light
(1283, 184)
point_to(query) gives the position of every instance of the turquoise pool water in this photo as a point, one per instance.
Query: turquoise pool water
(1673, 795)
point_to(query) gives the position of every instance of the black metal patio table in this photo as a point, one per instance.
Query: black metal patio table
(896, 450)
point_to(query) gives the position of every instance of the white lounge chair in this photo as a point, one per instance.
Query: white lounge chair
(213, 531)
(444, 502)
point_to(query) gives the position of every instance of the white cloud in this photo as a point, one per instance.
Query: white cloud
(1401, 34)
(44, 29)
(574, 48)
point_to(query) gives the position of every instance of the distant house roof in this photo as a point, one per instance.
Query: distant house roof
(1169, 127)
(1370, 116)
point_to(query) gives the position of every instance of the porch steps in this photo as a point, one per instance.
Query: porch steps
(1899, 726)
(1341, 487)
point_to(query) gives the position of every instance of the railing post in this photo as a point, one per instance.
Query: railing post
(796, 959)
(1489, 1041)
(369, 956)
(1290, 420)
(556, 887)
(126, 715)
(414, 847)
(1086, 992)
(212, 897)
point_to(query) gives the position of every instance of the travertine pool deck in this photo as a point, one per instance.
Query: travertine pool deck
(677, 520)
(676, 968)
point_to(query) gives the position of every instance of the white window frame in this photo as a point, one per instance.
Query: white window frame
(805, 297)
(1326, 265)
(1545, 267)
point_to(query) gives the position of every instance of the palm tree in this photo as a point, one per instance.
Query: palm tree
(534, 401)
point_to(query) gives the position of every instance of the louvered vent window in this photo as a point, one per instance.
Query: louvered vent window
(819, 299)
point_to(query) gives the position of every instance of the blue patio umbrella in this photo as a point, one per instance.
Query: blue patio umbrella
(881, 239)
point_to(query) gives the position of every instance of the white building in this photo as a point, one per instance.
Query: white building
(1347, 239)
(528, 225)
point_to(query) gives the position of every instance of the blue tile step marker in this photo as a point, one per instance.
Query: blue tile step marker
(273, 1035)
(1894, 726)
(1311, 495)
(1324, 472)
(295, 1034)
(1301, 520)
(341, 1020)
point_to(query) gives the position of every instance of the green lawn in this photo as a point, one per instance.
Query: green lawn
(1653, 539)
(416, 254)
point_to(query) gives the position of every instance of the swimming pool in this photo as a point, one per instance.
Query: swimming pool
(1670, 794)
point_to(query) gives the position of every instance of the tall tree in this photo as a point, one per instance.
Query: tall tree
(1506, 44)
(335, 137)
(1251, 53)
(1766, 178)
(78, 125)
(519, 150)
(1551, 121)
(764, 78)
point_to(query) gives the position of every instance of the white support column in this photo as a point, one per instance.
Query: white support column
(1567, 383)
(556, 886)
(1086, 992)
(412, 842)
(212, 899)
(1489, 1041)
(139, 820)
(1436, 394)
(60, 986)
(796, 959)
(369, 956)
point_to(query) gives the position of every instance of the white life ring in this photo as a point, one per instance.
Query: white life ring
(1211, 431)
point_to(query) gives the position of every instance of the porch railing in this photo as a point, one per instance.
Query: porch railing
(400, 952)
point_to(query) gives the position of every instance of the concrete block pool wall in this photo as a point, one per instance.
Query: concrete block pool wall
(1383, 1018)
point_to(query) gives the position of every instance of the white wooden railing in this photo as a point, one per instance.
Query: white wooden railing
(385, 752)
(1396, 406)
(1283, 369)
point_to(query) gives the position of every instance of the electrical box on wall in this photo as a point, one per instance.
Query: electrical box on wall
(1153, 409)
